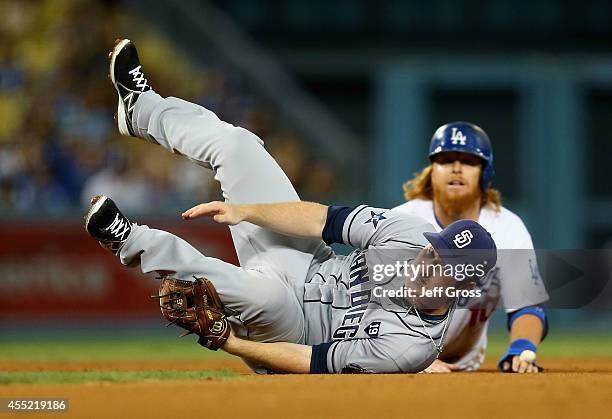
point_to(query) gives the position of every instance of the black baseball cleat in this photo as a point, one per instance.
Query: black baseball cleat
(105, 223)
(129, 81)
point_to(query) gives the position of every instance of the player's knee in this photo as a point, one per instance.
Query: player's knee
(271, 300)
(241, 142)
(278, 300)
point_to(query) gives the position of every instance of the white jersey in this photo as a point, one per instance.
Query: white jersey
(515, 280)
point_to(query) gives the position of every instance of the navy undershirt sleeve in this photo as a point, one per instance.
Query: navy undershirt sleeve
(318, 359)
(336, 216)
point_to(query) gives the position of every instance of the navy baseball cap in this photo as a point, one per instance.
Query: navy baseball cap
(465, 242)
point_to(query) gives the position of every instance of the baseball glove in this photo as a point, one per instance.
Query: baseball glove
(195, 306)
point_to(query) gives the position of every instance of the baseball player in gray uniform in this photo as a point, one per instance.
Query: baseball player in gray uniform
(293, 305)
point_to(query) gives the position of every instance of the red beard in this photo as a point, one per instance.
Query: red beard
(455, 204)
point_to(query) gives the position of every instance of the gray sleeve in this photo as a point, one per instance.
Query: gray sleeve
(368, 226)
(379, 355)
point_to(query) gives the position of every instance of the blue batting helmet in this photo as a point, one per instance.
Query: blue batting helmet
(465, 138)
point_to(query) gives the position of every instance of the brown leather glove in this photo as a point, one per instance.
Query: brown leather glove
(195, 306)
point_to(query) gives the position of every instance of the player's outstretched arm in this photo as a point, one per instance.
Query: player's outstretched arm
(300, 219)
(530, 328)
(276, 356)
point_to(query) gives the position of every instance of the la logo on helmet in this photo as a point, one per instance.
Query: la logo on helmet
(463, 239)
(457, 137)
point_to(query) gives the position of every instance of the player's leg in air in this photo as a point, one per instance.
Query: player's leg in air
(264, 293)
(245, 170)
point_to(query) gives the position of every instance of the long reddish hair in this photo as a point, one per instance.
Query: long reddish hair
(420, 187)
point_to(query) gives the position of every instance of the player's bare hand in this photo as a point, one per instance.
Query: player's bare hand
(520, 366)
(440, 367)
(220, 212)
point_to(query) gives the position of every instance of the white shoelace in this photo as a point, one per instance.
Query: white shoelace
(118, 227)
(139, 78)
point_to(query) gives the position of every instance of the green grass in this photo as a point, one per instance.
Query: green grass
(105, 347)
(74, 377)
(79, 349)
(561, 345)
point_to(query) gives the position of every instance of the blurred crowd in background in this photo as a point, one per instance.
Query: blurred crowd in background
(59, 144)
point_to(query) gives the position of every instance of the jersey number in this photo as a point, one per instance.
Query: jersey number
(373, 329)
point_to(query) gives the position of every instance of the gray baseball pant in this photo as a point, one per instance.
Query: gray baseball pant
(264, 295)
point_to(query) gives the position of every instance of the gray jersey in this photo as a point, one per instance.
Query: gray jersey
(339, 306)
(286, 289)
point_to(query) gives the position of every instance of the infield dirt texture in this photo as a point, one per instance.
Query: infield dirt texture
(177, 380)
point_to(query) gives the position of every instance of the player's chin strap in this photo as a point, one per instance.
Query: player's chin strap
(439, 347)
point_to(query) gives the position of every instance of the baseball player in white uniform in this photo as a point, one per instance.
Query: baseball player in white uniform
(457, 185)
(293, 305)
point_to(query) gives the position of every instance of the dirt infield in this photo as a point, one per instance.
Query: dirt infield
(570, 387)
